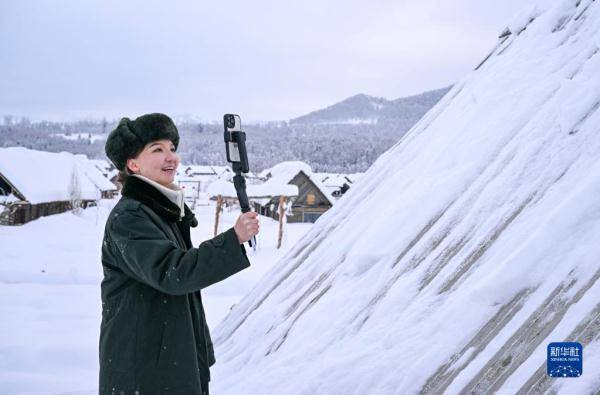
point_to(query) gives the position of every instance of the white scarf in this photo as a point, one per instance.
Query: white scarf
(172, 192)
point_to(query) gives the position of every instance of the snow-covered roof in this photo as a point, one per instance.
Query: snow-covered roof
(94, 174)
(102, 164)
(463, 252)
(46, 176)
(222, 169)
(191, 170)
(210, 171)
(282, 173)
(354, 177)
(112, 173)
(335, 181)
(338, 179)
(107, 169)
(226, 189)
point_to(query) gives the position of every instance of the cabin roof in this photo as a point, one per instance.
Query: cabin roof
(42, 177)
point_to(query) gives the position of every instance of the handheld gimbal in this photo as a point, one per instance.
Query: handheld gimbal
(235, 146)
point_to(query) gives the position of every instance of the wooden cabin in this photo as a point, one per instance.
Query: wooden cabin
(312, 200)
(35, 183)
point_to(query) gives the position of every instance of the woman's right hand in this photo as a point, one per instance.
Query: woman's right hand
(246, 226)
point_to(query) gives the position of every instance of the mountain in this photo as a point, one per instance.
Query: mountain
(366, 128)
(370, 110)
(463, 252)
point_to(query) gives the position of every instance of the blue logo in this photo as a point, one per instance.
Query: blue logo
(564, 359)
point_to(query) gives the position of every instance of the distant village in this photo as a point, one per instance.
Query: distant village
(36, 183)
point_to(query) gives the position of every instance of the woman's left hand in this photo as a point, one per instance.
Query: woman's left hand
(246, 226)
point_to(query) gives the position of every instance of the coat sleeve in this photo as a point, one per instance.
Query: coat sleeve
(148, 256)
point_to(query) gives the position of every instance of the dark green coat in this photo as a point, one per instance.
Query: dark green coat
(153, 336)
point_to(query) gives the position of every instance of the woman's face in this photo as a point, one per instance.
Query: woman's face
(158, 161)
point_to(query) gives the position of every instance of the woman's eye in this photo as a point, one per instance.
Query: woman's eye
(157, 150)
(172, 149)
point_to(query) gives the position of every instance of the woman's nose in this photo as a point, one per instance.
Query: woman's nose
(172, 156)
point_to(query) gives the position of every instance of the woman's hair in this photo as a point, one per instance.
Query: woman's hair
(124, 174)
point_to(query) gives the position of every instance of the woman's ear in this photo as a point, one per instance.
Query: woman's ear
(132, 165)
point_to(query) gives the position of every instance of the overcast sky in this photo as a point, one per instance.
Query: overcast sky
(266, 60)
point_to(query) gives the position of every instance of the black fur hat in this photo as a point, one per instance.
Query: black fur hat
(130, 137)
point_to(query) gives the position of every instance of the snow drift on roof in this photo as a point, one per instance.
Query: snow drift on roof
(226, 189)
(94, 174)
(463, 251)
(47, 177)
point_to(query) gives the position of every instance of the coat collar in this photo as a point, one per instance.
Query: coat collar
(145, 193)
(172, 192)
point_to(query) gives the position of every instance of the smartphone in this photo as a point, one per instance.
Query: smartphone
(235, 142)
(233, 123)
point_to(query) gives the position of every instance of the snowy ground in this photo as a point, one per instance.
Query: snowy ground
(50, 274)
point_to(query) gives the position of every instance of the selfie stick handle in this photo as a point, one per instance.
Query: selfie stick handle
(239, 182)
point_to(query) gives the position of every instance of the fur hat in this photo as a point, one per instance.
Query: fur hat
(130, 137)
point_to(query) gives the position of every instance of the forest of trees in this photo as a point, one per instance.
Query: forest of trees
(327, 148)
(322, 139)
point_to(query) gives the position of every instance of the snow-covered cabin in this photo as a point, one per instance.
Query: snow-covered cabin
(35, 183)
(313, 198)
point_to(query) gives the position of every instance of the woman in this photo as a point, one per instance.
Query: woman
(153, 335)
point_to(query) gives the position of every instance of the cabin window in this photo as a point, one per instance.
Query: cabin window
(310, 199)
(310, 217)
